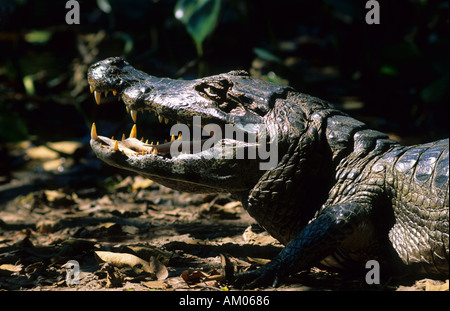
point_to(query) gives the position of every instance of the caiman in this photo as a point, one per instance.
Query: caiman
(337, 195)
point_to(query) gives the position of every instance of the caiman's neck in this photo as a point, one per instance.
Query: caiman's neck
(303, 170)
(315, 140)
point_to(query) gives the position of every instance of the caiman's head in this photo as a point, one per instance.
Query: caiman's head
(213, 162)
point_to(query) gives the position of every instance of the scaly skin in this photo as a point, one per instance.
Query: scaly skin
(339, 194)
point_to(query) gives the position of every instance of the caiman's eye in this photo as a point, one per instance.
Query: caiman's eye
(220, 91)
(215, 90)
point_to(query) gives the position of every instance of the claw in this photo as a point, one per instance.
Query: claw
(268, 275)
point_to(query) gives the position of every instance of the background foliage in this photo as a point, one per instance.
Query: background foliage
(393, 76)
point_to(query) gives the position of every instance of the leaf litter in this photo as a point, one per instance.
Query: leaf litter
(137, 235)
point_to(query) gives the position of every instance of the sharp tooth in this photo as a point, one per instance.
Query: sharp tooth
(133, 132)
(94, 132)
(166, 121)
(123, 136)
(155, 151)
(97, 96)
(128, 109)
(114, 93)
(157, 143)
(101, 145)
(146, 142)
(118, 98)
(142, 139)
(116, 145)
(179, 136)
(112, 137)
(172, 138)
(92, 89)
(160, 119)
(143, 152)
(106, 93)
(142, 111)
(134, 115)
(165, 141)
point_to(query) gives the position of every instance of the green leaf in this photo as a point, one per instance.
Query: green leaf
(200, 17)
(267, 56)
(435, 91)
(389, 70)
(104, 5)
(127, 39)
(28, 83)
(38, 36)
(12, 128)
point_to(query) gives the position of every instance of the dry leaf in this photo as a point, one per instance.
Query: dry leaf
(192, 278)
(145, 252)
(41, 153)
(258, 261)
(8, 269)
(67, 147)
(199, 276)
(114, 277)
(107, 229)
(227, 267)
(158, 269)
(53, 165)
(233, 206)
(47, 226)
(253, 238)
(141, 183)
(123, 259)
(160, 284)
(59, 198)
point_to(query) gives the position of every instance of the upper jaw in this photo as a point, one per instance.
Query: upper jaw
(169, 99)
(112, 75)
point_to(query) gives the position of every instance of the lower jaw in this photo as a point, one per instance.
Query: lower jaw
(132, 147)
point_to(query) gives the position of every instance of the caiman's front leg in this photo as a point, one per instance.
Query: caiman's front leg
(316, 241)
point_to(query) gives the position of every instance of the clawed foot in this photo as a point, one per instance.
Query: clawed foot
(268, 275)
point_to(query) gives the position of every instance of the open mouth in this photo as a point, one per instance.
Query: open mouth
(132, 146)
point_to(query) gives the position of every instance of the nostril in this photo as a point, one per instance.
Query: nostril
(145, 89)
(114, 71)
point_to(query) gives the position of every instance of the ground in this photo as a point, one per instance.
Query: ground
(129, 233)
